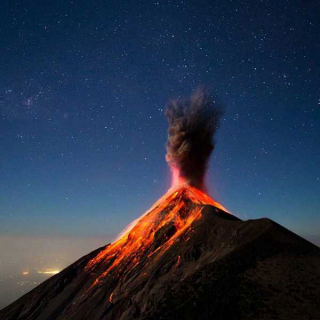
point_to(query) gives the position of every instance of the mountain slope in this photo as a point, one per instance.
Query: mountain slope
(186, 258)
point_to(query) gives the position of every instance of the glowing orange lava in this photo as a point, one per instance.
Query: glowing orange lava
(172, 214)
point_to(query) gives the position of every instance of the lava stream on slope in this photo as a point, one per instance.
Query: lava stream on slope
(153, 233)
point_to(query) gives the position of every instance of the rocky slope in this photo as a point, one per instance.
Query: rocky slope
(186, 258)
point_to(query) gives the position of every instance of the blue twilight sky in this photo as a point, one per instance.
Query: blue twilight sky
(83, 85)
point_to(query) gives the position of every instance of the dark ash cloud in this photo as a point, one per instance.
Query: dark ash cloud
(193, 123)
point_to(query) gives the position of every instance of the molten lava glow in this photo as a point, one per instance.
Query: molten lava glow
(175, 211)
(177, 179)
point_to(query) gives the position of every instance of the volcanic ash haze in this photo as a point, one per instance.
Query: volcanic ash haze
(186, 258)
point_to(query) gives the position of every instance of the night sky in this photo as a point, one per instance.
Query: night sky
(83, 86)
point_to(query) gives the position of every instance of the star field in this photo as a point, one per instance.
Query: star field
(83, 87)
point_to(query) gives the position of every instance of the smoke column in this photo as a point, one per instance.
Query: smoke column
(193, 123)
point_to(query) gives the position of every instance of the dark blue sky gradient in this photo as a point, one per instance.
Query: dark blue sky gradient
(82, 89)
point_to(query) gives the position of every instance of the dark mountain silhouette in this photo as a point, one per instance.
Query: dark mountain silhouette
(186, 258)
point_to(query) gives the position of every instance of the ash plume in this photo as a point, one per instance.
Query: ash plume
(193, 123)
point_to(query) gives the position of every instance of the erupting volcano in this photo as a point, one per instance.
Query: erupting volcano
(187, 257)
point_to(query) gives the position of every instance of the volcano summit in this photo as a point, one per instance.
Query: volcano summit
(187, 257)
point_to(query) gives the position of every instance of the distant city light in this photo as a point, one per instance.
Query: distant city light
(48, 271)
(25, 273)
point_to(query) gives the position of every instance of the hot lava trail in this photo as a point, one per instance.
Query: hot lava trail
(154, 232)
